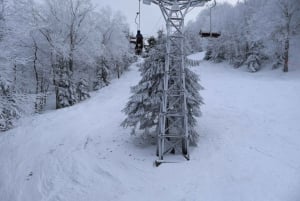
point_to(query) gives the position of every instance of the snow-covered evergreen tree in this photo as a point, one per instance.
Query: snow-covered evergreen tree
(82, 90)
(102, 71)
(143, 108)
(65, 88)
(9, 110)
(255, 56)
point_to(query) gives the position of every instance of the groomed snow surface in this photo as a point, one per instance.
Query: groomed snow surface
(249, 148)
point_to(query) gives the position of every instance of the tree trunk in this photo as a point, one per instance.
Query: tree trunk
(118, 70)
(14, 86)
(287, 45)
(288, 16)
(286, 55)
(37, 99)
(55, 83)
(44, 90)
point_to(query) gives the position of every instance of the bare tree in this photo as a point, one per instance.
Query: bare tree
(288, 9)
(61, 24)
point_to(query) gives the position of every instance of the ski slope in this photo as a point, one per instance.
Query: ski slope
(249, 148)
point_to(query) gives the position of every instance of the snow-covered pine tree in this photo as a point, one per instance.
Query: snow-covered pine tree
(82, 90)
(194, 101)
(65, 89)
(255, 56)
(102, 71)
(9, 111)
(144, 105)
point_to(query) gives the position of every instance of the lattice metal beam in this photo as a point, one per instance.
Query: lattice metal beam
(173, 120)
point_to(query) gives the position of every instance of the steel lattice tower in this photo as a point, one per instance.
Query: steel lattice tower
(173, 119)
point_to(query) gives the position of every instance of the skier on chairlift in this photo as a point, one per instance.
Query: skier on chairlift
(139, 43)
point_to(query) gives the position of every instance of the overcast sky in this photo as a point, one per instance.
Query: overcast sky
(151, 18)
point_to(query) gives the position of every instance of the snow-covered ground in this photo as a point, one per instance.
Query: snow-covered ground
(249, 148)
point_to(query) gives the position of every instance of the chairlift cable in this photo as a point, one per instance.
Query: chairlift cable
(139, 37)
(138, 15)
(210, 17)
(139, 28)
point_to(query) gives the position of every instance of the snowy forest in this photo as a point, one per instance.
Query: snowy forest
(253, 33)
(61, 49)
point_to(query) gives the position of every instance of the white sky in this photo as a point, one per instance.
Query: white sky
(151, 18)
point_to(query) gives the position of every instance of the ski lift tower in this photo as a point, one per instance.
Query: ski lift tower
(173, 119)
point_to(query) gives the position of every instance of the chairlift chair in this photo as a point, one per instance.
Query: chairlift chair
(210, 34)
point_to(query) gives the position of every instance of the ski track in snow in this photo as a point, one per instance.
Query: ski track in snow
(249, 148)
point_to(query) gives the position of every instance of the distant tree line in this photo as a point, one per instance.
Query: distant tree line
(62, 48)
(253, 32)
